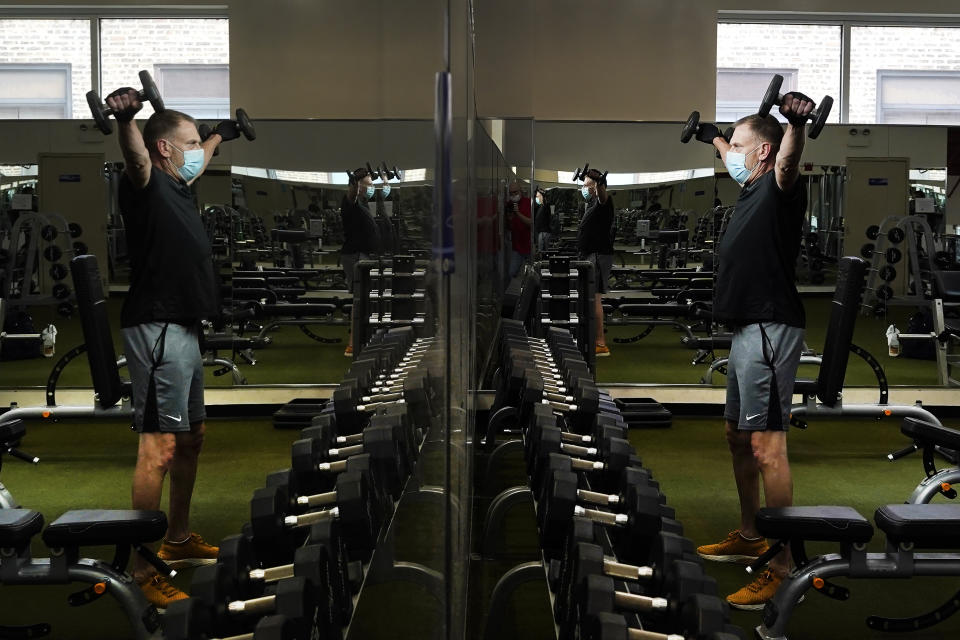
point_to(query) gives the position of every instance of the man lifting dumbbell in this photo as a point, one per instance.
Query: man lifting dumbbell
(756, 294)
(595, 241)
(172, 288)
(361, 237)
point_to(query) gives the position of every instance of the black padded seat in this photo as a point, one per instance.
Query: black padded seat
(947, 285)
(91, 527)
(826, 524)
(298, 309)
(934, 526)
(709, 342)
(927, 433)
(805, 386)
(17, 526)
(651, 310)
(12, 431)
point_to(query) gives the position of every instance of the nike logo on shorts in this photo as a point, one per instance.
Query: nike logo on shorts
(179, 418)
(756, 415)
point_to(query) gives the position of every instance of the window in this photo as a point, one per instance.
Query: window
(808, 57)
(739, 91)
(45, 68)
(33, 91)
(202, 90)
(918, 97)
(188, 58)
(905, 75)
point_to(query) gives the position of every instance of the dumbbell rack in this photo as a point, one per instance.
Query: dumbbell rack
(544, 568)
(35, 240)
(390, 296)
(567, 290)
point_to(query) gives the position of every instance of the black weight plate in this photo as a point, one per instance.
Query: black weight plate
(61, 291)
(888, 273)
(99, 112)
(690, 127)
(75, 230)
(820, 118)
(772, 94)
(893, 255)
(58, 271)
(884, 292)
(52, 253)
(873, 231)
(80, 248)
(246, 125)
(65, 309)
(150, 91)
(896, 235)
(48, 232)
(866, 251)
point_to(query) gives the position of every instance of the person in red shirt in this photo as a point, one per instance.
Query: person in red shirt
(519, 220)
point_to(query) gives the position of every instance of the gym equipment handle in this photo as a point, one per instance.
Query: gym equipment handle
(644, 604)
(896, 455)
(601, 516)
(272, 574)
(20, 455)
(626, 571)
(264, 604)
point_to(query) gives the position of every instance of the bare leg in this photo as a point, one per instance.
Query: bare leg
(154, 458)
(183, 475)
(770, 451)
(747, 476)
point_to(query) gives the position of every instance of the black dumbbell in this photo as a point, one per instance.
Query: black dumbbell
(894, 235)
(672, 576)
(191, 619)
(271, 518)
(612, 454)
(205, 132)
(694, 616)
(66, 310)
(295, 599)
(61, 291)
(48, 232)
(245, 125)
(385, 444)
(58, 271)
(75, 230)
(891, 255)
(773, 97)
(80, 248)
(640, 519)
(613, 626)
(101, 113)
(321, 563)
(52, 253)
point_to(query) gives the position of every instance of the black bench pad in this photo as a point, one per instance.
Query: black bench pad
(925, 525)
(12, 431)
(805, 386)
(299, 309)
(926, 433)
(17, 526)
(105, 527)
(654, 310)
(827, 524)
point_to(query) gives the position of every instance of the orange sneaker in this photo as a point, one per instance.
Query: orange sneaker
(160, 592)
(735, 548)
(192, 552)
(755, 595)
(603, 351)
(348, 351)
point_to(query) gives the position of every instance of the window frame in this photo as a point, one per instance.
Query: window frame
(846, 22)
(66, 67)
(95, 14)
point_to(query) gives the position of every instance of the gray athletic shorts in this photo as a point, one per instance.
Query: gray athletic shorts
(602, 265)
(348, 261)
(177, 398)
(754, 403)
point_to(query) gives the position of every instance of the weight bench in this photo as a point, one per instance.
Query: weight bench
(907, 527)
(828, 387)
(931, 438)
(124, 530)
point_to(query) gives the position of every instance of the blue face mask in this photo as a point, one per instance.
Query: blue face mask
(371, 191)
(737, 166)
(386, 190)
(192, 162)
(586, 193)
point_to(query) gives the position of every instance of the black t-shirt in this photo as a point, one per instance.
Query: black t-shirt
(595, 232)
(756, 274)
(171, 267)
(541, 218)
(360, 232)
